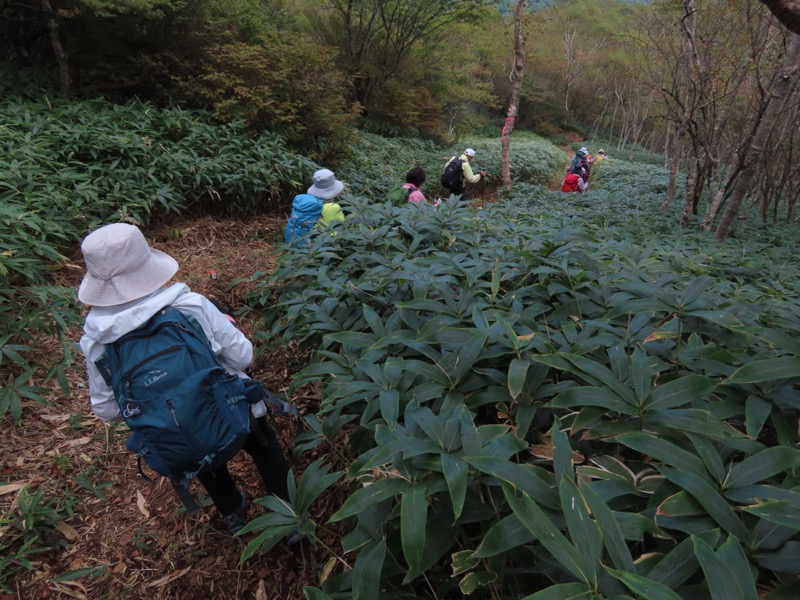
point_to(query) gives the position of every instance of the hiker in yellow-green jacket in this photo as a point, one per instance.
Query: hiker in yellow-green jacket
(315, 207)
(458, 172)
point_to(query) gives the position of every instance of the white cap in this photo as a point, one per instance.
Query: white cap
(584, 150)
(469, 152)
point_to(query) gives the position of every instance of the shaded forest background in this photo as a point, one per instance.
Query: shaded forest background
(711, 87)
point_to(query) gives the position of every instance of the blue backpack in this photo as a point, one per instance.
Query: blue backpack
(185, 411)
(306, 211)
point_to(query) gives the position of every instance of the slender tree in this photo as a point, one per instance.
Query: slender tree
(55, 41)
(374, 36)
(778, 96)
(519, 66)
(786, 11)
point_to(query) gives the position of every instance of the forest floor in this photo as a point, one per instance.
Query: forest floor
(130, 538)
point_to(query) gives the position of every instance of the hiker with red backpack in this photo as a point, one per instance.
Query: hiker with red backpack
(573, 182)
(458, 172)
(169, 363)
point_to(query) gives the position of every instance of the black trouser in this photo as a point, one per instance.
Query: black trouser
(270, 462)
(459, 192)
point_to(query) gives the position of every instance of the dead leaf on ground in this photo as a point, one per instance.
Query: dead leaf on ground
(261, 592)
(142, 504)
(169, 578)
(12, 487)
(68, 531)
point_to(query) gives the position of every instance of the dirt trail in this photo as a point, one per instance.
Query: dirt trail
(136, 536)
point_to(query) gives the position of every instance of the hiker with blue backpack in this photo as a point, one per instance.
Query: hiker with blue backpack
(169, 363)
(314, 207)
(458, 173)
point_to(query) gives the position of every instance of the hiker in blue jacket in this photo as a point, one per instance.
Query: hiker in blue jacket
(125, 285)
(315, 206)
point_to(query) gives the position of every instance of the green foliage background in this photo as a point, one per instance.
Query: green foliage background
(556, 396)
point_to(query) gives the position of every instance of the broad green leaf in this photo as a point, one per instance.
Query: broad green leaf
(642, 376)
(472, 581)
(390, 406)
(367, 571)
(539, 524)
(763, 465)
(784, 560)
(598, 371)
(517, 372)
(788, 591)
(680, 563)
(613, 539)
(563, 591)
(678, 392)
(502, 536)
(518, 476)
(776, 511)
(644, 587)
(710, 456)
(754, 494)
(733, 556)
(562, 453)
(467, 357)
(695, 288)
(455, 474)
(409, 446)
(463, 561)
(413, 520)
(690, 420)
(583, 531)
(370, 495)
(756, 413)
(593, 396)
(664, 451)
(716, 506)
(470, 437)
(353, 338)
(439, 540)
(428, 371)
(719, 576)
(315, 594)
(767, 370)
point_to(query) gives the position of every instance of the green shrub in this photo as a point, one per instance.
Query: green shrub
(547, 402)
(68, 166)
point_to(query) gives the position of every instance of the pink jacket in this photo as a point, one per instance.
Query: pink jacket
(415, 195)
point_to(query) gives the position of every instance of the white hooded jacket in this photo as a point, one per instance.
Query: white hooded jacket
(105, 325)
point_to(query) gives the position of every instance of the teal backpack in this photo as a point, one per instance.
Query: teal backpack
(185, 411)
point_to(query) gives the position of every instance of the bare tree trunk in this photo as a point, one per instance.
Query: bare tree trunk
(672, 186)
(713, 208)
(692, 182)
(55, 41)
(601, 118)
(785, 82)
(519, 66)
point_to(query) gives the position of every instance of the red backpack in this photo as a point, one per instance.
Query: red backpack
(570, 183)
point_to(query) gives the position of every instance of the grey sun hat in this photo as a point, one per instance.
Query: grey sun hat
(326, 186)
(121, 266)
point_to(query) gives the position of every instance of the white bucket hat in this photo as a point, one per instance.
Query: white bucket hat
(121, 266)
(469, 152)
(326, 186)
